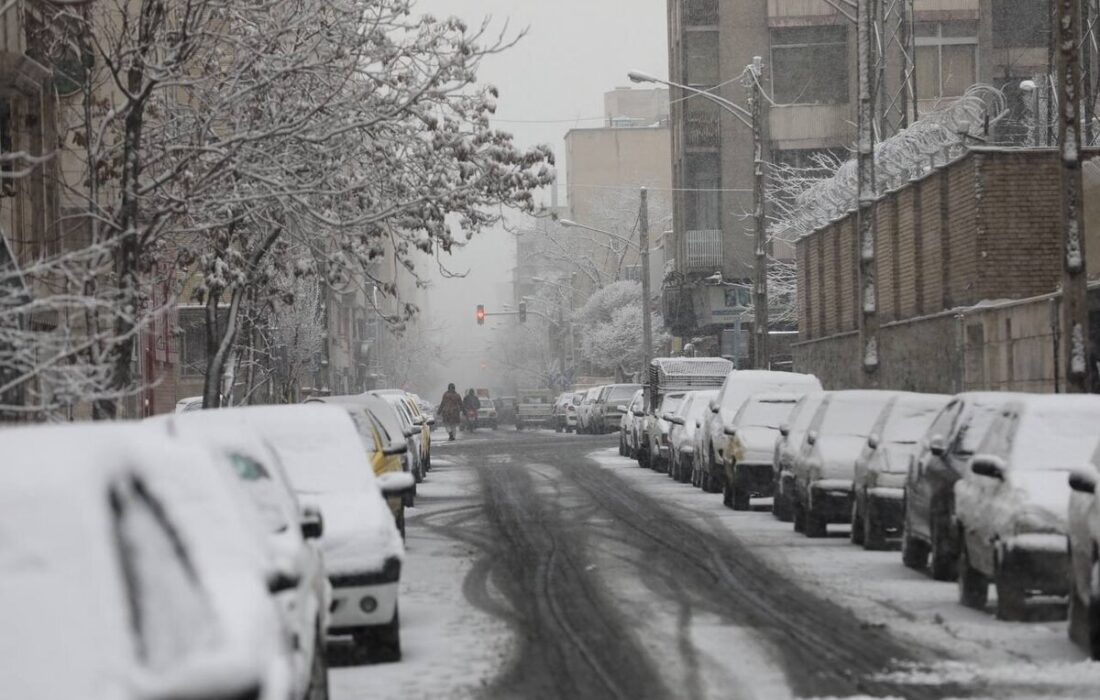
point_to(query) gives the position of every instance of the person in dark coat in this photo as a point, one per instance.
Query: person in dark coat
(450, 410)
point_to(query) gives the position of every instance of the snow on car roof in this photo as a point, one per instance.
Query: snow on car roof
(910, 415)
(766, 410)
(1054, 431)
(853, 412)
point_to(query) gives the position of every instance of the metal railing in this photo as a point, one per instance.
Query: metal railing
(702, 251)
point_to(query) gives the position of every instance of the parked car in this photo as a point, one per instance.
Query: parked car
(534, 409)
(748, 463)
(736, 388)
(685, 422)
(565, 412)
(190, 403)
(607, 409)
(487, 415)
(1084, 555)
(326, 463)
(1012, 504)
(630, 425)
(787, 446)
(584, 410)
(113, 586)
(425, 423)
(678, 375)
(656, 428)
(825, 465)
(506, 409)
(417, 432)
(883, 465)
(298, 580)
(929, 537)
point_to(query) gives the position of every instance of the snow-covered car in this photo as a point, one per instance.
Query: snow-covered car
(487, 414)
(787, 446)
(191, 403)
(748, 462)
(629, 425)
(883, 466)
(656, 428)
(685, 422)
(584, 410)
(929, 532)
(738, 386)
(565, 412)
(324, 458)
(608, 407)
(407, 426)
(1012, 503)
(1084, 555)
(425, 424)
(299, 581)
(128, 562)
(825, 465)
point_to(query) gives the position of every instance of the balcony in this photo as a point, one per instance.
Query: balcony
(700, 13)
(702, 123)
(703, 251)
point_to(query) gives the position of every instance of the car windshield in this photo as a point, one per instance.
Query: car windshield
(908, 422)
(1054, 439)
(264, 492)
(671, 402)
(852, 415)
(312, 463)
(621, 393)
(767, 413)
(365, 429)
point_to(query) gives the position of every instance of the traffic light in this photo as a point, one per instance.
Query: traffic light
(481, 314)
(523, 312)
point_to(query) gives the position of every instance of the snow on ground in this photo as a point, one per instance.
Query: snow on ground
(450, 648)
(875, 586)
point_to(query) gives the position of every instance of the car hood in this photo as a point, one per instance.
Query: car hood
(756, 443)
(359, 533)
(837, 454)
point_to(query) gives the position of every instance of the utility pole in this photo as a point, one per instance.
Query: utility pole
(1075, 312)
(643, 245)
(761, 355)
(868, 301)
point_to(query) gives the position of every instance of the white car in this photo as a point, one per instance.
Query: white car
(585, 408)
(1012, 503)
(883, 467)
(686, 422)
(736, 389)
(324, 458)
(825, 465)
(1084, 554)
(627, 442)
(787, 445)
(655, 428)
(299, 581)
(116, 570)
(749, 465)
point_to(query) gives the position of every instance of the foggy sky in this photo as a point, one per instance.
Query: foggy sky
(574, 51)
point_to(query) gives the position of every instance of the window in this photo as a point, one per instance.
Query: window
(947, 58)
(701, 58)
(810, 65)
(1020, 23)
(703, 178)
(700, 12)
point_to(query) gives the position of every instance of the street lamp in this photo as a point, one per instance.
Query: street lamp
(754, 120)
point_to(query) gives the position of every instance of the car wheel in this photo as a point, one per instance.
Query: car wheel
(799, 517)
(856, 536)
(400, 521)
(815, 525)
(382, 643)
(945, 562)
(781, 508)
(318, 670)
(874, 534)
(685, 471)
(1011, 596)
(739, 498)
(1094, 611)
(1079, 612)
(914, 552)
(973, 584)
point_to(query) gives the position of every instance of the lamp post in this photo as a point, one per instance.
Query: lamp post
(754, 120)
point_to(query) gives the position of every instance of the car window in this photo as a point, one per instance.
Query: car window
(973, 427)
(364, 426)
(265, 493)
(170, 614)
(908, 421)
(852, 415)
(803, 414)
(670, 403)
(769, 413)
(998, 437)
(942, 423)
(622, 393)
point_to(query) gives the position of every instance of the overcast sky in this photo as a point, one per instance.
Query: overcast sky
(552, 81)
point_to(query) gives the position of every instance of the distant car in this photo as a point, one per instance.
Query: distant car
(298, 581)
(608, 407)
(787, 446)
(585, 409)
(1012, 504)
(565, 412)
(656, 428)
(738, 386)
(883, 465)
(825, 465)
(534, 409)
(629, 426)
(191, 403)
(686, 421)
(750, 470)
(1084, 553)
(929, 519)
(326, 463)
(487, 415)
(506, 410)
(126, 581)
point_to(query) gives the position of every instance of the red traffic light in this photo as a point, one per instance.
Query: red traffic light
(481, 314)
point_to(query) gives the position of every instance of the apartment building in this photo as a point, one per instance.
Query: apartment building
(808, 48)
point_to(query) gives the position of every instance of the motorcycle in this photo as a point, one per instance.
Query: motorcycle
(469, 420)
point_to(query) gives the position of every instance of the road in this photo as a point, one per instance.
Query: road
(547, 567)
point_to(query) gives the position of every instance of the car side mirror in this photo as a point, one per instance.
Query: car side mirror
(785, 430)
(676, 420)
(621, 409)
(396, 483)
(280, 581)
(395, 450)
(872, 441)
(988, 465)
(313, 525)
(729, 430)
(639, 414)
(1082, 481)
(937, 446)
(431, 422)
(714, 406)
(811, 437)
(411, 432)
